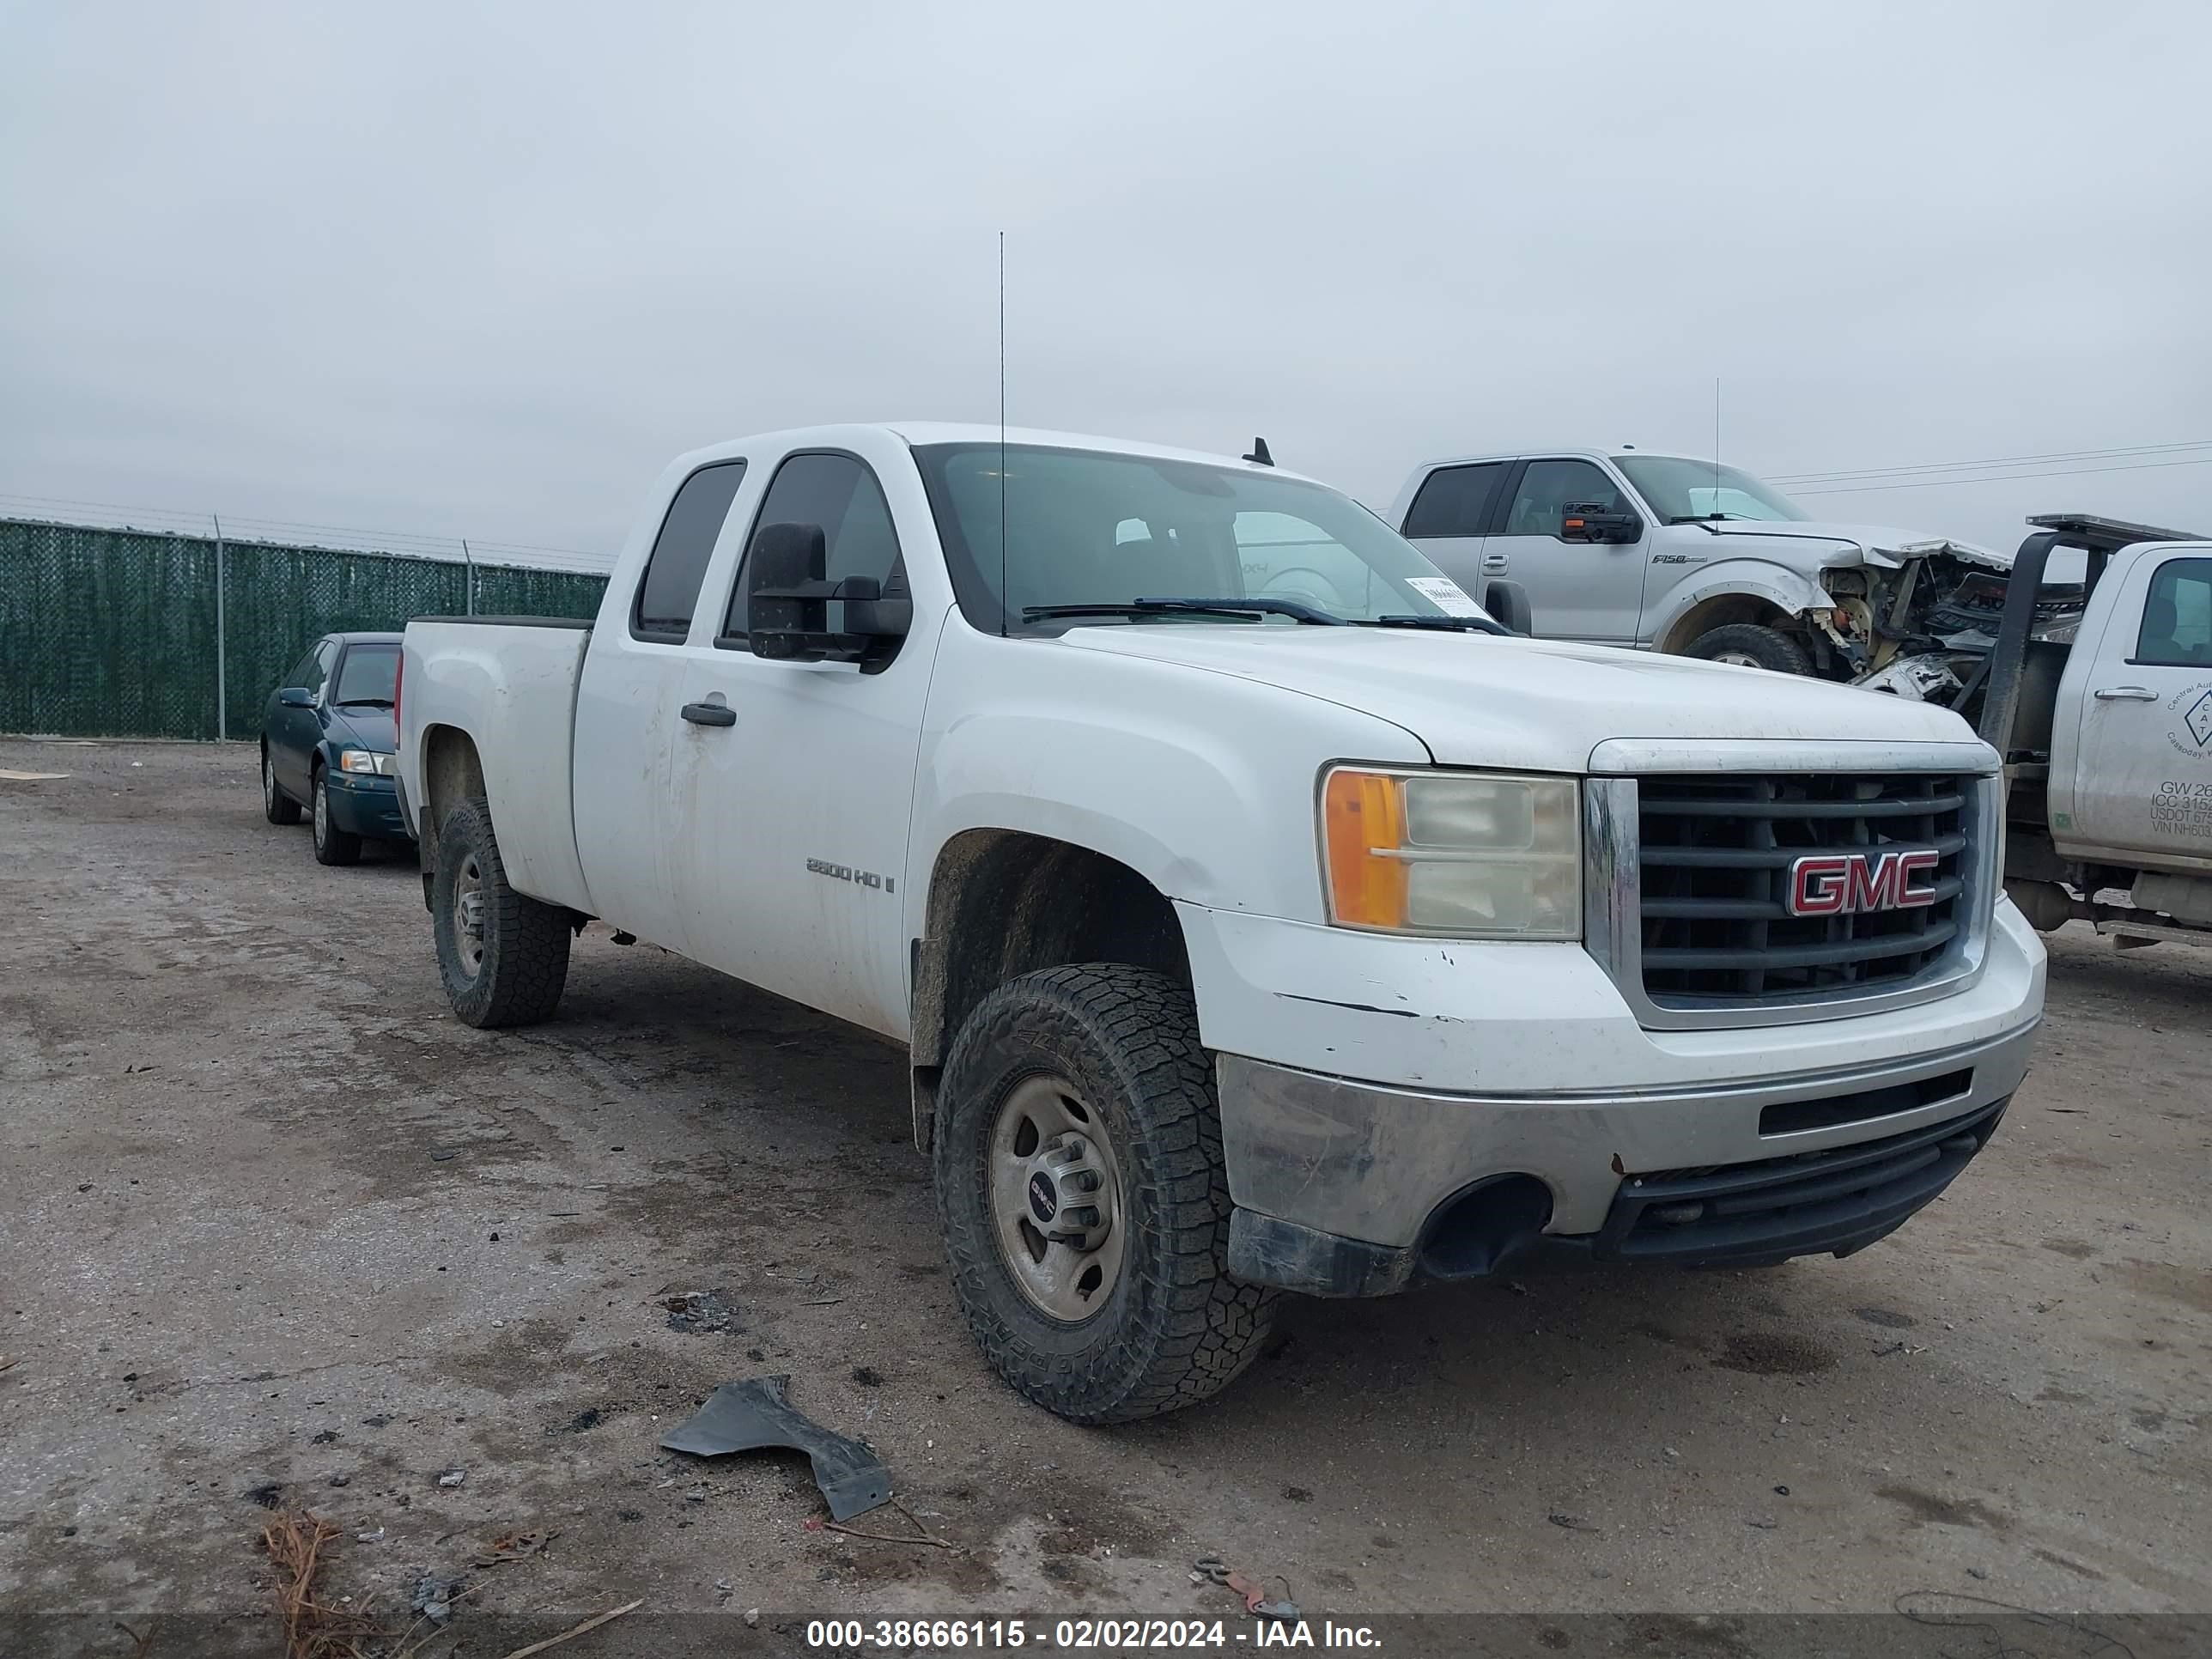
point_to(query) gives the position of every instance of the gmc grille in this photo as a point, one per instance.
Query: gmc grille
(1714, 857)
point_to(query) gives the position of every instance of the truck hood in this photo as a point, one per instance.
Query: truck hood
(1537, 705)
(1877, 543)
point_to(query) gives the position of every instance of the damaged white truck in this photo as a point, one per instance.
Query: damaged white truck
(1673, 554)
(1258, 913)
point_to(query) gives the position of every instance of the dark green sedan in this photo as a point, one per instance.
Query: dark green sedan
(327, 738)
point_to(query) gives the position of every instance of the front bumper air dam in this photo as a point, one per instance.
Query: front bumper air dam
(1346, 1189)
(366, 806)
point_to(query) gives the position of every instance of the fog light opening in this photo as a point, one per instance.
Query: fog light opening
(1478, 1229)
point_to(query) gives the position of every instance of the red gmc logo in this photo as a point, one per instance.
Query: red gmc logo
(1841, 883)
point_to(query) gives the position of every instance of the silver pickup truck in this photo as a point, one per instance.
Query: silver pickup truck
(1675, 553)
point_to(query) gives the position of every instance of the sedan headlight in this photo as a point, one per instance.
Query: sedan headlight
(1462, 854)
(361, 760)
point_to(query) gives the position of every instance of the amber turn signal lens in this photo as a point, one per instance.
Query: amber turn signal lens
(1363, 821)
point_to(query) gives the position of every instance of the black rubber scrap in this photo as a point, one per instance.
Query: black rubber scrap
(756, 1413)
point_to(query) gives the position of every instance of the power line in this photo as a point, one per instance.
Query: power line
(2001, 477)
(2000, 460)
(406, 544)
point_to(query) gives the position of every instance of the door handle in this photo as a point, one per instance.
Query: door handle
(1496, 561)
(2124, 694)
(709, 713)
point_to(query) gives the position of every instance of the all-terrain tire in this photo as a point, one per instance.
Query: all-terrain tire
(276, 806)
(1754, 644)
(332, 844)
(1175, 1327)
(522, 959)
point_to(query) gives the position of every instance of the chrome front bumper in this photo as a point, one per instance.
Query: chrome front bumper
(1317, 1163)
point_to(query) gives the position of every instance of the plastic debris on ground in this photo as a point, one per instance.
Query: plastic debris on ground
(755, 1414)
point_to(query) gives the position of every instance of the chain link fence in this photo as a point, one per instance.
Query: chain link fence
(109, 633)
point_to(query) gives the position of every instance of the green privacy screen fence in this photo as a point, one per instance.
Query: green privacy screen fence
(113, 633)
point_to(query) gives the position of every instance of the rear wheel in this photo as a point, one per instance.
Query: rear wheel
(503, 957)
(276, 806)
(332, 844)
(1753, 646)
(1083, 1198)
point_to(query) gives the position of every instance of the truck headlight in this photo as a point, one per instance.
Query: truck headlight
(1462, 854)
(363, 760)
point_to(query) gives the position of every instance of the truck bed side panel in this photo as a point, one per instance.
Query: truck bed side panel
(510, 689)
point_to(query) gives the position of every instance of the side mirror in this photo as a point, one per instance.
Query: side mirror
(1595, 522)
(295, 696)
(1509, 603)
(789, 600)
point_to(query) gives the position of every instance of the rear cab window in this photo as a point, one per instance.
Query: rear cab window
(668, 590)
(1453, 501)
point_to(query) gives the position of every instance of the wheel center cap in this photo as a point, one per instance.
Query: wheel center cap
(1044, 1200)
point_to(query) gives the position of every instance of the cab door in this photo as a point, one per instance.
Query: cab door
(628, 731)
(1590, 591)
(2141, 771)
(793, 782)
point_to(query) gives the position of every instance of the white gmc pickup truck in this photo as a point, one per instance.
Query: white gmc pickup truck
(1259, 913)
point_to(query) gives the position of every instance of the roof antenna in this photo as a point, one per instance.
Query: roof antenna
(1259, 457)
(1005, 598)
(1715, 513)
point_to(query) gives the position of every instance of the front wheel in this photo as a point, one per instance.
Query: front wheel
(332, 844)
(504, 956)
(1752, 645)
(1081, 1190)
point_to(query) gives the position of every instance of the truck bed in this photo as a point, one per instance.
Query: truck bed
(509, 685)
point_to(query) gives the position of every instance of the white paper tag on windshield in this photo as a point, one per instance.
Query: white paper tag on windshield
(1447, 595)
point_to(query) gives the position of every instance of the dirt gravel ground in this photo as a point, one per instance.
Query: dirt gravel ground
(274, 1222)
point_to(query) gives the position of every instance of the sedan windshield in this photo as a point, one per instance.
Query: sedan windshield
(368, 674)
(1091, 528)
(1683, 491)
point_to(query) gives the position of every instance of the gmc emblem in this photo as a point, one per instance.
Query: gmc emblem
(1842, 884)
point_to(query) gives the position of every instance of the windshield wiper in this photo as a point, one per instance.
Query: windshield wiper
(1699, 518)
(1260, 607)
(362, 702)
(1444, 624)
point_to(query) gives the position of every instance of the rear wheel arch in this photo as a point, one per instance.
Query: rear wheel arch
(1007, 902)
(453, 772)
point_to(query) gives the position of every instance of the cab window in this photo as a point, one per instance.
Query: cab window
(1453, 501)
(2177, 621)
(839, 493)
(668, 592)
(1548, 488)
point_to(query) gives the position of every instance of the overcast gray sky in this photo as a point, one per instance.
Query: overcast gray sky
(481, 270)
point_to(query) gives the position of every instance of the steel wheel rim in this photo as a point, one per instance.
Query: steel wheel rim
(468, 915)
(1056, 1195)
(1741, 658)
(269, 781)
(322, 812)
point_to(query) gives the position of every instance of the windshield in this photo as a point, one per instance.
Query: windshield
(368, 674)
(1089, 528)
(1679, 490)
